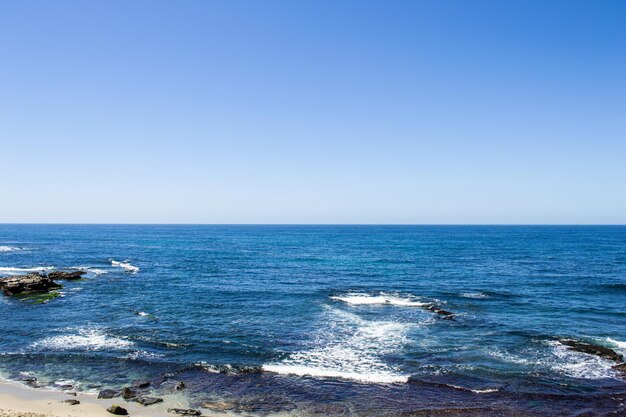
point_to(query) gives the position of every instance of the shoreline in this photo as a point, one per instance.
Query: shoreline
(17, 400)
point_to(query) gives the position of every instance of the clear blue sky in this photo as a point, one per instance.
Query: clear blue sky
(313, 111)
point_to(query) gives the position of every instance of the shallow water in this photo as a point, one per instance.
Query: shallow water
(328, 320)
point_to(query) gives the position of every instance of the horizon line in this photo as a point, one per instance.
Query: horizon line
(302, 224)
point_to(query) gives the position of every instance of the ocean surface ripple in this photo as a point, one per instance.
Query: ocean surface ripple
(328, 320)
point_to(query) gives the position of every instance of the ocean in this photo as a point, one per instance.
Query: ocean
(328, 320)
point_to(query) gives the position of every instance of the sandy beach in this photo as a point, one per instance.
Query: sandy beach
(18, 400)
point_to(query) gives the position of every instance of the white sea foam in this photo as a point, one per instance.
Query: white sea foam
(558, 358)
(126, 266)
(617, 343)
(380, 299)
(88, 269)
(9, 270)
(142, 354)
(88, 339)
(9, 248)
(477, 295)
(581, 365)
(351, 348)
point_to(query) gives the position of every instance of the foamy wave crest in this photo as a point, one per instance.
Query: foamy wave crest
(476, 295)
(88, 269)
(143, 355)
(126, 266)
(581, 365)
(350, 348)
(8, 270)
(617, 343)
(84, 339)
(9, 248)
(381, 299)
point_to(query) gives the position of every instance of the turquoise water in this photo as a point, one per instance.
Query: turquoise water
(327, 320)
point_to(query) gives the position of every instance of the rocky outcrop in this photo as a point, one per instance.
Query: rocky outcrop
(27, 284)
(145, 401)
(106, 394)
(63, 275)
(591, 349)
(621, 368)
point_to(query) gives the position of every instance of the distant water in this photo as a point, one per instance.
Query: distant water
(328, 320)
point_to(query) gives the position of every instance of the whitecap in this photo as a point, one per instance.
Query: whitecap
(83, 339)
(477, 295)
(9, 270)
(381, 299)
(617, 343)
(88, 269)
(349, 347)
(9, 248)
(126, 266)
(484, 390)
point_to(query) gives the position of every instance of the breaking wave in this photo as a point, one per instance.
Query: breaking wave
(380, 299)
(349, 347)
(126, 266)
(558, 358)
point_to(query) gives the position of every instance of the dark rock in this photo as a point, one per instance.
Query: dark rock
(27, 284)
(93, 386)
(145, 401)
(71, 402)
(117, 410)
(184, 411)
(59, 275)
(128, 393)
(141, 383)
(106, 394)
(218, 405)
(181, 385)
(621, 368)
(592, 349)
(443, 313)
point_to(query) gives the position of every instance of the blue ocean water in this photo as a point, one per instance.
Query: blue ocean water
(328, 320)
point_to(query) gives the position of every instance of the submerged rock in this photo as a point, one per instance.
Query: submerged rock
(141, 383)
(58, 275)
(184, 411)
(117, 410)
(621, 368)
(219, 405)
(591, 349)
(443, 313)
(180, 386)
(27, 284)
(28, 380)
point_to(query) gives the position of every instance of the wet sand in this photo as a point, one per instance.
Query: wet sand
(20, 401)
